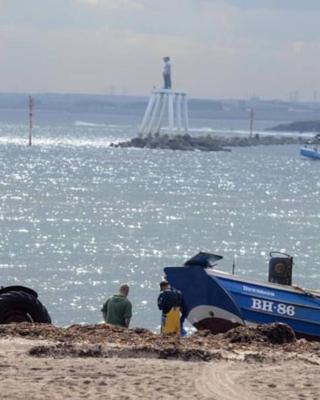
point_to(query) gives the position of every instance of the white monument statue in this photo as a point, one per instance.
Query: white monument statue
(167, 73)
(167, 110)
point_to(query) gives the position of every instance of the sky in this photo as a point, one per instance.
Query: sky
(218, 48)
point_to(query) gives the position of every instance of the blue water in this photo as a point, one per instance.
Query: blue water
(78, 217)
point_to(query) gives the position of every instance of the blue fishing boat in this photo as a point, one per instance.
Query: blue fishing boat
(219, 301)
(312, 148)
(310, 152)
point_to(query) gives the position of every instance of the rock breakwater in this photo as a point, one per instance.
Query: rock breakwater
(205, 143)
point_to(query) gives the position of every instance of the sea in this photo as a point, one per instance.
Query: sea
(79, 217)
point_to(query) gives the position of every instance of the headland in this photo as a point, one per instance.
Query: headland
(298, 126)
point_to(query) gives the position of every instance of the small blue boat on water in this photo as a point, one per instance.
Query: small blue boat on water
(219, 301)
(310, 152)
(312, 148)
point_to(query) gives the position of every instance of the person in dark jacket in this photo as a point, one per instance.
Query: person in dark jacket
(117, 310)
(170, 302)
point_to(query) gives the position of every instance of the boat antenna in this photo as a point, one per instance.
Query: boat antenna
(233, 264)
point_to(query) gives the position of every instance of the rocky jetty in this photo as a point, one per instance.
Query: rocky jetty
(205, 143)
(298, 126)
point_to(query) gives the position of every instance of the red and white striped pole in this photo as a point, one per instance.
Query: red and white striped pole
(30, 119)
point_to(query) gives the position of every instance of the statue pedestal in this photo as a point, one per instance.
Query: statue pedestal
(167, 112)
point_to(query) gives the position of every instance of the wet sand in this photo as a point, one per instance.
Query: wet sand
(101, 362)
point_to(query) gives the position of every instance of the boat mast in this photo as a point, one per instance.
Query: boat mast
(30, 119)
(251, 121)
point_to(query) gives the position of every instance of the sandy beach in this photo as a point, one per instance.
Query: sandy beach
(101, 362)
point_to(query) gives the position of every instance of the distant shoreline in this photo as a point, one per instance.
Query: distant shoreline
(298, 126)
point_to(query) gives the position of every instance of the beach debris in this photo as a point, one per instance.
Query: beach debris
(63, 350)
(276, 333)
(264, 342)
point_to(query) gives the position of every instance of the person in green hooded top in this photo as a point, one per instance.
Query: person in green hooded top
(117, 310)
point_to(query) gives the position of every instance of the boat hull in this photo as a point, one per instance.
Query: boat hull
(219, 302)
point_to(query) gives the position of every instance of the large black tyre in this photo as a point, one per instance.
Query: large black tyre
(19, 306)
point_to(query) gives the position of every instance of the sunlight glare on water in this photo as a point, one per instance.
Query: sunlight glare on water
(78, 217)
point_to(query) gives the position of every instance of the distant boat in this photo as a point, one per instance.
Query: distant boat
(312, 148)
(310, 152)
(219, 301)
